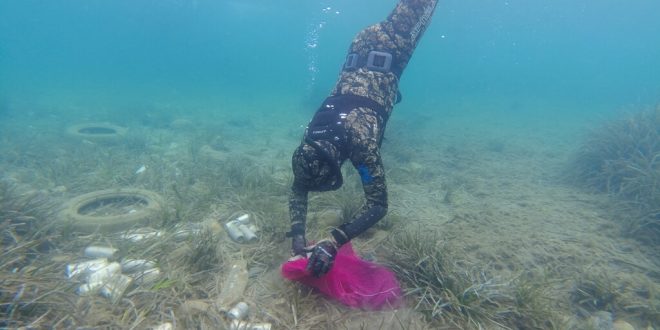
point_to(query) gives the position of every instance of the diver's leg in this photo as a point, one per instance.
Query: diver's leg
(398, 35)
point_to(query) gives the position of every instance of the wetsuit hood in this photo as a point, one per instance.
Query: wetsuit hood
(317, 166)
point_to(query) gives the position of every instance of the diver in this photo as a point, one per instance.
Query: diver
(350, 124)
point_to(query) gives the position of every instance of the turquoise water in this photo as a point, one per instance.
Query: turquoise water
(215, 94)
(601, 55)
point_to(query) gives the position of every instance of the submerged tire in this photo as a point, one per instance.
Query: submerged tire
(97, 131)
(120, 209)
(213, 154)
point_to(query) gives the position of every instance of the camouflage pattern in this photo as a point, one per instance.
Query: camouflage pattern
(397, 35)
(307, 160)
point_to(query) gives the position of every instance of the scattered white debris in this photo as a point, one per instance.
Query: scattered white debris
(100, 276)
(114, 287)
(239, 311)
(240, 230)
(147, 276)
(136, 265)
(99, 251)
(141, 169)
(243, 219)
(164, 326)
(245, 325)
(86, 267)
(141, 234)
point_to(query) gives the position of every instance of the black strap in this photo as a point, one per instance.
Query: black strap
(347, 102)
(375, 60)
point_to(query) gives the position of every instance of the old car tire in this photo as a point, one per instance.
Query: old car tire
(96, 131)
(76, 216)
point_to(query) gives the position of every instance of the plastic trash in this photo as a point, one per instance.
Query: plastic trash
(86, 267)
(234, 232)
(244, 325)
(99, 251)
(233, 286)
(147, 276)
(136, 265)
(103, 273)
(239, 311)
(351, 280)
(89, 288)
(114, 287)
(248, 234)
(240, 230)
(141, 234)
(243, 219)
(163, 326)
(141, 170)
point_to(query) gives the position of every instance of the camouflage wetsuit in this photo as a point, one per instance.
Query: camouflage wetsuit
(350, 123)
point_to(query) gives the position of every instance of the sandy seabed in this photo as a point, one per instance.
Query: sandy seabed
(494, 192)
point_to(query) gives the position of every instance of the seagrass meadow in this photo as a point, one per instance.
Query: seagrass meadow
(522, 165)
(478, 237)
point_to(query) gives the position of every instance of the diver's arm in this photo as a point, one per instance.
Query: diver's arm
(372, 174)
(298, 214)
(373, 210)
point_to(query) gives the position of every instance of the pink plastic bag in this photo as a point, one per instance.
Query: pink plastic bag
(351, 280)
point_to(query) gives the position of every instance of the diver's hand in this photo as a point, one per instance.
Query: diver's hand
(298, 244)
(322, 258)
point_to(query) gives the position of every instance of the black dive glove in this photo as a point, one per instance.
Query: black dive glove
(298, 244)
(322, 258)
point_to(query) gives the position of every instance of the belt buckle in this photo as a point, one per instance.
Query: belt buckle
(379, 61)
